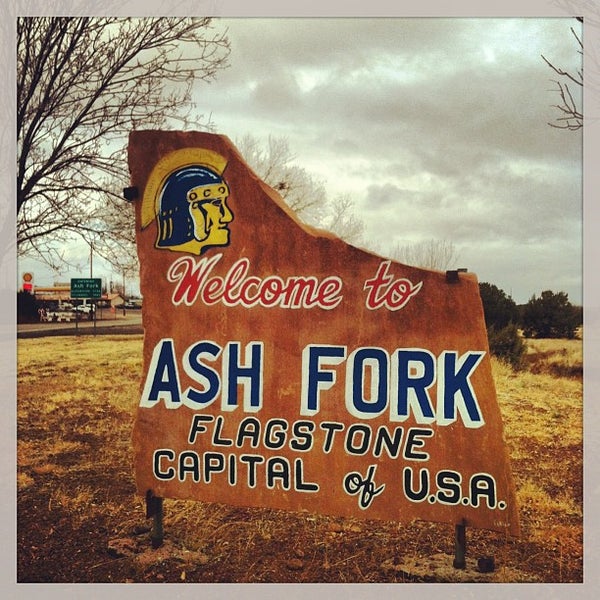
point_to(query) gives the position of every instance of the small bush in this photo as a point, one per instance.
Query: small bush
(507, 344)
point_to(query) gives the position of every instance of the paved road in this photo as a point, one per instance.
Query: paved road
(131, 322)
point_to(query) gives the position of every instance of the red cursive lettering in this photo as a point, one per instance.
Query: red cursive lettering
(385, 291)
(194, 280)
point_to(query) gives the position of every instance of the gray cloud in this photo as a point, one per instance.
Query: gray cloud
(436, 127)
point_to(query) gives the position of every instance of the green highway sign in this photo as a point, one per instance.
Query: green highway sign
(86, 288)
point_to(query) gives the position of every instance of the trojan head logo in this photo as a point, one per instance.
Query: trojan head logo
(187, 195)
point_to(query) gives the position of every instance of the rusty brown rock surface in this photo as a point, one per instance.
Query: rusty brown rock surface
(335, 378)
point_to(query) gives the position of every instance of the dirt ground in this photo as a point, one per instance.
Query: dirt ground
(80, 520)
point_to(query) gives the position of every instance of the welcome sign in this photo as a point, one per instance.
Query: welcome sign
(284, 368)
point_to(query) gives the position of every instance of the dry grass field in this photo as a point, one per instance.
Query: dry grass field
(79, 519)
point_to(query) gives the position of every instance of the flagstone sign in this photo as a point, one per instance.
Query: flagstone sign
(284, 368)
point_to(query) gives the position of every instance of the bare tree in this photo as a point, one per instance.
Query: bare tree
(571, 115)
(82, 85)
(430, 254)
(273, 162)
(342, 220)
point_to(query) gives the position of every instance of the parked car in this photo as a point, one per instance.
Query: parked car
(84, 308)
(132, 305)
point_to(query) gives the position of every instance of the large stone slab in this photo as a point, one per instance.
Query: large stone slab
(285, 368)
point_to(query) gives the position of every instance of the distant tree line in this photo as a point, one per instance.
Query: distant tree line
(550, 315)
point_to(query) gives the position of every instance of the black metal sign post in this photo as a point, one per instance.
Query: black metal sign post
(154, 508)
(460, 545)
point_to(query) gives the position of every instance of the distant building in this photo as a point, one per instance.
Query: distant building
(56, 293)
(114, 299)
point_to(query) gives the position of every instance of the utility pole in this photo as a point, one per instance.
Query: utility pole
(123, 292)
(91, 260)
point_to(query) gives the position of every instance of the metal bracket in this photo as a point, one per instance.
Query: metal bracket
(131, 193)
(154, 508)
(460, 545)
(452, 276)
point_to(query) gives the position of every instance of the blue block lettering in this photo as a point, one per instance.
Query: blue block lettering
(314, 379)
(249, 375)
(413, 374)
(162, 382)
(201, 373)
(377, 360)
(455, 392)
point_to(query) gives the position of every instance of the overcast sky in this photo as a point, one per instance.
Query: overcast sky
(437, 128)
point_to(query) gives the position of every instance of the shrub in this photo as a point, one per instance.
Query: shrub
(507, 344)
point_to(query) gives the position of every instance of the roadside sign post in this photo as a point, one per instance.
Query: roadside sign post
(154, 510)
(286, 369)
(86, 288)
(460, 545)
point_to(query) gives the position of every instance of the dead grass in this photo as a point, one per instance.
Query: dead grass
(76, 400)
(542, 409)
(558, 357)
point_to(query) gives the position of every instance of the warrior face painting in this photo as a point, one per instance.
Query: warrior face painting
(192, 211)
